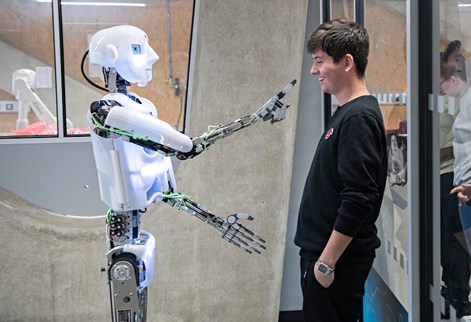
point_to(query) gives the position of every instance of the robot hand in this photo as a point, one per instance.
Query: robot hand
(239, 235)
(230, 229)
(274, 109)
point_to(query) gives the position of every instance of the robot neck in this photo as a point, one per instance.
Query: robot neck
(115, 83)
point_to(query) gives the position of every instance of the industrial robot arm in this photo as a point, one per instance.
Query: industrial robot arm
(23, 87)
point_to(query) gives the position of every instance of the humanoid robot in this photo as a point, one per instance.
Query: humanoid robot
(133, 151)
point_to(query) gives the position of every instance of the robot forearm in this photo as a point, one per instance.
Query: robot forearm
(109, 116)
(203, 141)
(274, 110)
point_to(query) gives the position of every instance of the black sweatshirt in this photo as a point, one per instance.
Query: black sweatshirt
(345, 185)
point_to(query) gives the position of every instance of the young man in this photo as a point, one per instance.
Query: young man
(344, 189)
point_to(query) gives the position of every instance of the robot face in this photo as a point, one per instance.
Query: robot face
(127, 49)
(135, 61)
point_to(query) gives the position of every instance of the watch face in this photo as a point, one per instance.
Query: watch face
(324, 269)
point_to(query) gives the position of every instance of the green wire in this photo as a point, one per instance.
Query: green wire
(174, 195)
(211, 129)
(177, 196)
(120, 132)
(108, 215)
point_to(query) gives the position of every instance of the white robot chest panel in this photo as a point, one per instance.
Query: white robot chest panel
(130, 176)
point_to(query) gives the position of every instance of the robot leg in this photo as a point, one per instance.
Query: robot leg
(130, 271)
(128, 302)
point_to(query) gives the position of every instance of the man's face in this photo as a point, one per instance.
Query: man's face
(330, 74)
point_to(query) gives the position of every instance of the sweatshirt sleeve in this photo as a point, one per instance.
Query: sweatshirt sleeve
(360, 159)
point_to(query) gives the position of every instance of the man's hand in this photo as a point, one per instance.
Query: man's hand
(463, 193)
(324, 280)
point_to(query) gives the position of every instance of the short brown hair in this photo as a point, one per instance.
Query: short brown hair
(452, 63)
(339, 37)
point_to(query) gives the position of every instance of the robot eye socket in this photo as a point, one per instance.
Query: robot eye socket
(136, 49)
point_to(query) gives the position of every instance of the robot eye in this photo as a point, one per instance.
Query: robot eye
(136, 49)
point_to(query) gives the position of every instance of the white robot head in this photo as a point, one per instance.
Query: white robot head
(125, 48)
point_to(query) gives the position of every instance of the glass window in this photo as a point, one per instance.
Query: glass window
(342, 9)
(453, 106)
(27, 41)
(168, 26)
(386, 79)
(27, 93)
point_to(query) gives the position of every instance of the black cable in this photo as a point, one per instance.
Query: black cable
(85, 76)
(180, 114)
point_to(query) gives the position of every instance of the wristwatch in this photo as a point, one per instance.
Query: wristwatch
(324, 269)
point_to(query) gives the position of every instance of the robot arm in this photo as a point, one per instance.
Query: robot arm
(109, 116)
(230, 229)
(23, 89)
(141, 129)
(274, 109)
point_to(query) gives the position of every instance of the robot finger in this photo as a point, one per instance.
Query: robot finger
(242, 244)
(286, 89)
(252, 234)
(256, 242)
(242, 240)
(247, 245)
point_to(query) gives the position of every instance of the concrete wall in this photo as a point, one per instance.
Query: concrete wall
(309, 128)
(50, 264)
(246, 52)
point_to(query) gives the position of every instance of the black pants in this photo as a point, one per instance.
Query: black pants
(342, 300)
(455, 259)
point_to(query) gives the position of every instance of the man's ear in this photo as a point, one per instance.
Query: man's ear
(349, 62)
(453, 81)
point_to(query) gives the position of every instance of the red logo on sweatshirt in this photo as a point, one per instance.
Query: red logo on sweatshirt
(329, 133)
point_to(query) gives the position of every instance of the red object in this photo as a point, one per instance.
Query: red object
(42, 128)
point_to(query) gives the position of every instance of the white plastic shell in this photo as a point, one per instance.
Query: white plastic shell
(130, 176)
